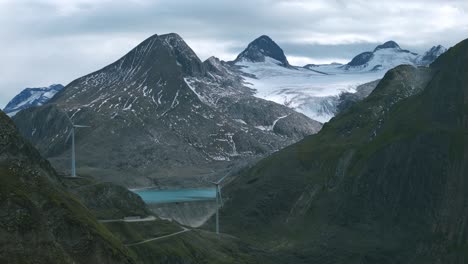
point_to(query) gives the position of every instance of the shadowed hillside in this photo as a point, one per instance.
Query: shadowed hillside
(383, 182)
(39, 222)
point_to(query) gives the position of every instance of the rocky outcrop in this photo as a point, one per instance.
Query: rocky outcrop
(346, 99)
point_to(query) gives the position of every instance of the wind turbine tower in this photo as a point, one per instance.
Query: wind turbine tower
(219, 200)
(72, 134)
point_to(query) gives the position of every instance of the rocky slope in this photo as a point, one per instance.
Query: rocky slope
(383, 182)
(30, 97)
(106, 200)
(346, 100)
(160, 116)
(39, 222)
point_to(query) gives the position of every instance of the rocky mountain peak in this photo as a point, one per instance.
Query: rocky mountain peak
(260, 48)
(159, 51)
(390, 55)
(432, 54)
(30, 97)
(185, 56)
(213, 64)
(388, 45)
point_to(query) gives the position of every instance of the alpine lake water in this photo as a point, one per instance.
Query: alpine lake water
(154, 196)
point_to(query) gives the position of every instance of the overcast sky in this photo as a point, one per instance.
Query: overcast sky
(56, 41)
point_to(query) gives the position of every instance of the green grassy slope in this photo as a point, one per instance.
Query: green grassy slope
(383, 182)
(39, 222)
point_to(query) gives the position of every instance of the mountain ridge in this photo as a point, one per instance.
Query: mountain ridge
(320, 91)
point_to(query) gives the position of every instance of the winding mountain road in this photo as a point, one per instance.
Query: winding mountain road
(146, 219)
(159, 238)
(149, 218)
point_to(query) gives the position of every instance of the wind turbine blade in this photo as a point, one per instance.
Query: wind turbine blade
(80, 126)
(220, 197)
(69, 134)
(69, 119)
(220, 180)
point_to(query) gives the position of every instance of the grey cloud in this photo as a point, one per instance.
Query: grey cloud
(48, 41)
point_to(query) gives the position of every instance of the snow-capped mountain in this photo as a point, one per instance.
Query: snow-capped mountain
(389, 55)
(262, 49)
(314, 90)
(431, 55)
(159, 115)
(31, 97)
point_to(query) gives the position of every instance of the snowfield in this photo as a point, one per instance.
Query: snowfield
(311, 92)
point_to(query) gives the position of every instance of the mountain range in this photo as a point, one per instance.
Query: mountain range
(160, 116)
(316, 97)
(383, 181)
(314, 90)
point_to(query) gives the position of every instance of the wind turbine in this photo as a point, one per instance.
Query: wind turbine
(219, 200)
(72, 134)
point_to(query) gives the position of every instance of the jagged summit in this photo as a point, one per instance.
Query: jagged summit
(212, 60)
(213, 64)
(388, 45)
(185, 56)
(157, 51)
(432, 54)
(156, 60)
(260, 48)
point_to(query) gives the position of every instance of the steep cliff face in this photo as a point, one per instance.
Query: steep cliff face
(384, 181)
(40, 223)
